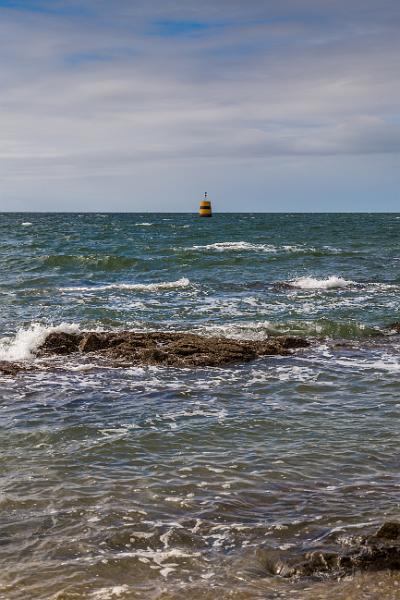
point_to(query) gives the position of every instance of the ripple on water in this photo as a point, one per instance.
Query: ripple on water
(149, 482)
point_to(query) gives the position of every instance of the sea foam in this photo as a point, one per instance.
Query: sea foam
(136, 287)
(27, 341)
(236, 246)
(243, 246)
(311, 283)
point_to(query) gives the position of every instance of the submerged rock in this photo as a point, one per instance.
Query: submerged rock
(170, 349)
(368, 553)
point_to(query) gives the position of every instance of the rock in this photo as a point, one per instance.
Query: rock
(12, 369)
(376, 557)
(167, 348)
(93, 342)
(59, 342)
(154, 356)
(272, 563)
(395, 327)
(389, 531)
(369, 553)
(291, 342)
(321, 561)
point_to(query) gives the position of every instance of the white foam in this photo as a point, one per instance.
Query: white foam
(235, 246)
(27, 341)
(270, 248)
(143, 224)
(26, 224)
(383, 363)
(311, 283)
(109, 593)
(156, 556)
(136, 287)
(242, 330)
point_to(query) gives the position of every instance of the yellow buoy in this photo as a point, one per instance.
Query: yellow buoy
(205, 207)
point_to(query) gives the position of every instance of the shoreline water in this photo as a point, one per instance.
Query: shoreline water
(159, 482)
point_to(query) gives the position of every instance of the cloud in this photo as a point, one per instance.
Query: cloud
(91, 89)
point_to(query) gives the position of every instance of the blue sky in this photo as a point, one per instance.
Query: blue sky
(290, 105)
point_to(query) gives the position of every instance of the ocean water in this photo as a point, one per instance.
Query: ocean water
(163, 483)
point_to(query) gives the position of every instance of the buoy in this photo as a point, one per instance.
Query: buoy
(205, 207)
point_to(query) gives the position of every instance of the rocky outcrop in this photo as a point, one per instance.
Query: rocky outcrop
(367, 553)
(169, 349)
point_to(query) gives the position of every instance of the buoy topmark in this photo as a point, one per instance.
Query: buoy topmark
(205, 207)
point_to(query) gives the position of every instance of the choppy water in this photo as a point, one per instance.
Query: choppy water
(166, 483)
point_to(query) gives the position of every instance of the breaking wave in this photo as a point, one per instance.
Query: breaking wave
(26, 341)
(311, 283)
(319, 328)
(184, 282)
(235, 246)
(284, 249)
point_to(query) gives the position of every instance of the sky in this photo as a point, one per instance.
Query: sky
(268, 105)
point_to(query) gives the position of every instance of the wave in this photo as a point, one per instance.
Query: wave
(384, 362)
(320, 329)
(184, 282)
(235, 246)
(297, 248)
(26, 224)
(321, 251)
(143, 224)
(26, 341)
(243, 246)
(311, 283)
(103, 262)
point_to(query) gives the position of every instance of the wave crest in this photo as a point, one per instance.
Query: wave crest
(321, 328)
(236, 246)
(330, 283)
(184, 282)
(26, 341)
(283, 249)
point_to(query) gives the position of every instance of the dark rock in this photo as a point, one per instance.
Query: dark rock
(93, 342)
(272, 563)
(154, 356)
(12, 369)
(282, 285)
(60, 343)
(389, 531)
(172, 349)
(376, 557)
(290, 342)
(395, 327)
(369, 553)
(323, 561)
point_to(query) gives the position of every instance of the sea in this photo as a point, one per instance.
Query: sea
(160, 483)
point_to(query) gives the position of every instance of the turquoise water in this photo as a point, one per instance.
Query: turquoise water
(168, 483)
